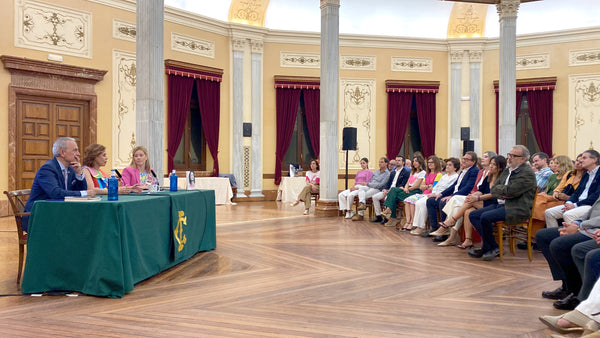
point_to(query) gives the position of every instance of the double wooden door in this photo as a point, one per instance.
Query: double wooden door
(40, 121)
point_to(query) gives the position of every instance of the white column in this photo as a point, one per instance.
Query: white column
(329, 98)
(507, 10)
(239, 45)
(150, 77)
(257, 173)
(456, 58)
(475, 98)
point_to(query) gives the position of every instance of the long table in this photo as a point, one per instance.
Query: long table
(103, 248)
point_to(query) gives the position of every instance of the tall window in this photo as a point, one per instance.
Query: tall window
(300, 150)
(524, 129)
(191, 154)
(412, 138)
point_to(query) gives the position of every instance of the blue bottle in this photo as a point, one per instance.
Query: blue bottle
(113, 186)
(173, 181)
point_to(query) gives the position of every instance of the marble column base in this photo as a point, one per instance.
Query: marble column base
(327, 208)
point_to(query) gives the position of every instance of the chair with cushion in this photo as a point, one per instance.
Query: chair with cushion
(17, 199)
(522, 231)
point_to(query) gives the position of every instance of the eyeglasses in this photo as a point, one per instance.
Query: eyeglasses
(466, 159)
(430, 162)
(513, 155)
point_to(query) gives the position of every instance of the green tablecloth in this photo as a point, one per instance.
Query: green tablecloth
(103, 248)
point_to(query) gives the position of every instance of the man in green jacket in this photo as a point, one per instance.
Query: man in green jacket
(514, 190)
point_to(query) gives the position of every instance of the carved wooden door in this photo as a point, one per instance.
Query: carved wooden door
(40, 121)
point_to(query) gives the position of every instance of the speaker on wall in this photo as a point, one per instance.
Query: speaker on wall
(247, 129)
(349, 138)
(468, 145)
(465, 133)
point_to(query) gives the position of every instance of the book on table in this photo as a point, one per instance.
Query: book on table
(82, 199)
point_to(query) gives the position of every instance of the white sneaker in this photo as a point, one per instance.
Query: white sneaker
(305, 211)
(352, 213)
(348, 215)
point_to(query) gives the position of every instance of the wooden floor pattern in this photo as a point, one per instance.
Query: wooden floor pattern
(276, 273)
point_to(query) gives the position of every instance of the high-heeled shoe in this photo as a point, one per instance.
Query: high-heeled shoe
(466, 246)
(446, 226)
(387, 213)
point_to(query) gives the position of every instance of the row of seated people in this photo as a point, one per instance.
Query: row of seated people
(425, 193)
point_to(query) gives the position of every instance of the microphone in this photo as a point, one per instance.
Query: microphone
(153, 173)
(118, 173)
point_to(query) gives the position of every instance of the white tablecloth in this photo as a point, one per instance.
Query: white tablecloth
(220, 185)
(290, 188)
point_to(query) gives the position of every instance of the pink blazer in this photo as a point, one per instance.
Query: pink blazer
(131, 177)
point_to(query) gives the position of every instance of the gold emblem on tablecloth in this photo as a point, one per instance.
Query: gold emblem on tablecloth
(179, 236)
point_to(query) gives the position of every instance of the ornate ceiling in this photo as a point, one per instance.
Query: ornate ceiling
(422, 18)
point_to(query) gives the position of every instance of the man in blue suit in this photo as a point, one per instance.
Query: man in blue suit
(59, 177)
(462, 186)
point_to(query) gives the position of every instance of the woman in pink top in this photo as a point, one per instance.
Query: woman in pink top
(312, 186)
(346, 197)
(139, 173)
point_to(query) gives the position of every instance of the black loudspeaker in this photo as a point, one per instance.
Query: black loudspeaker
(468, 145)
(247, 129)
(465, 133)
(349, 138)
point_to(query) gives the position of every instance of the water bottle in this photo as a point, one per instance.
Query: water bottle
(173, 181)
(113, 186)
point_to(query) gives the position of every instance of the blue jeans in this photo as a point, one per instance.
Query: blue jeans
(483, 221)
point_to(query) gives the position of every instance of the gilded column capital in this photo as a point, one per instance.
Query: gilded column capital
(325, 3)
(257, 46)
(456, 55)
(508, 8)
(239, 43)
(475, 55)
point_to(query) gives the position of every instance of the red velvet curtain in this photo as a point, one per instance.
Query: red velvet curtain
(209, 102)
(398, 116)
(540, 112)
(179, 96)
(312, 101)
(426, 116)
(287, 103)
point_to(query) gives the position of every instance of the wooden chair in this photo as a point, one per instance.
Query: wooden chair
(522, 231)
(17, 199)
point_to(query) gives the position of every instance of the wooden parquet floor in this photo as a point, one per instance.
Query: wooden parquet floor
(277, 273)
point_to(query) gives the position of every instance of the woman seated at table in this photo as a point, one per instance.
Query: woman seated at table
(412, 186)
(139, 173)
(346, 197)
(93, 159)
(475, 200)
(312, 186)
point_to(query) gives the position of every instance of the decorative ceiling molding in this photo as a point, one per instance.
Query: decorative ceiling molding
(51, 28)
(358, 62)
(533, 61)
(124, 30)
(190, 45)
(299, 60)
(584, 57)
(412, 64)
